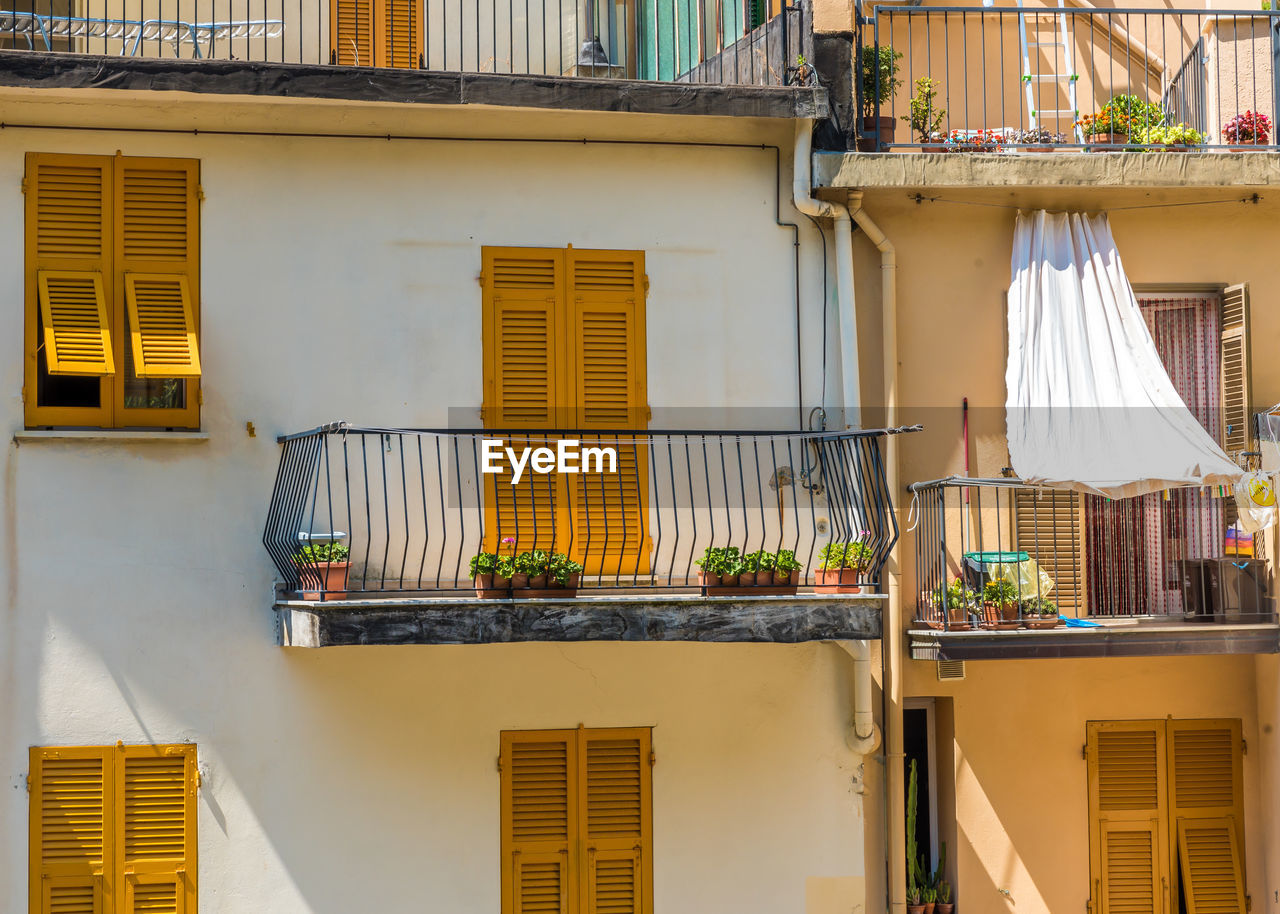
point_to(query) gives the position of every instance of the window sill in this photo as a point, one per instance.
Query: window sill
(131, 436)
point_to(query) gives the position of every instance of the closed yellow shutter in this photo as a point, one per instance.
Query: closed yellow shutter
(1128, 816)
(607, 359)
(524, 390)
(351, 33)
(158, 243)
(156, 834)
(616, 824)
(67, 218)
(1047, 527)
(71, 835)
(1236, 371)
(1212, 866)
(401, 29)
(539, 808)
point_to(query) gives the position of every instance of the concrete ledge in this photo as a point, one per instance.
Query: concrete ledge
(34, 69)
(115, 436)
(1053, 169)
(458, 620)
(1142, 640)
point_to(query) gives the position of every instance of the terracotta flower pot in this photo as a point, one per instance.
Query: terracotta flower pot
(1115, 141)
(485, 589)
(958, 619)
(915, 909)
(707, 579)
(999, 615)
(729, 580)
(945, 908)
(874, 129)
(329, 580)
(748, 579)
(519, 581)
(501, 583)
(843, 580)
(786, 578)
(929, 906)
(1041, 621)
(538, 581)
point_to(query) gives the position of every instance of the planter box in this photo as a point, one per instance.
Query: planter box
(328, 578)
(845, 580)
(874, 129)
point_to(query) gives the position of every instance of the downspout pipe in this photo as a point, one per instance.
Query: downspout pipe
(805, 202)
(891, 645)
(864, 736)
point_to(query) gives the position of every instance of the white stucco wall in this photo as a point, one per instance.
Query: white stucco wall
(339, 282)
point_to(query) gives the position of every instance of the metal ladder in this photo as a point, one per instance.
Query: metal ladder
(1029, 79)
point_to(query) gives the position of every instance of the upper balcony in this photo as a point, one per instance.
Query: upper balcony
(1005, 569)
(715, 57)
(419, 522)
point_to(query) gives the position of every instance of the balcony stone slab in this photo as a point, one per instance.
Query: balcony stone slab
(654, 617)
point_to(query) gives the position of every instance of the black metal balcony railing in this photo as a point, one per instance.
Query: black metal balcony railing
(413, 506)
(733, 42)
(997, 553)
(1048, 77)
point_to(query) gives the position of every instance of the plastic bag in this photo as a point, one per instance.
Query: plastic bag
(1255, 502)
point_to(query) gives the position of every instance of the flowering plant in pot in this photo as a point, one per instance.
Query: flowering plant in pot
(879, 82)
(926, 117)
(786, 570)
(530, 570)
(975, 140)
(1247, 131)
(956, 601)
(750, 562)
(1039, 612)
(1173, 137)
(1037, 139)
(842, 565)
(324, 566)
(482, 568)
(715, 565)
(999, 604)
(563, 571)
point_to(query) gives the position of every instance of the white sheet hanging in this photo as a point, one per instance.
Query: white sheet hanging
(1089, 405)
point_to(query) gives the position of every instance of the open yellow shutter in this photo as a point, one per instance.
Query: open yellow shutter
(71, 835)
(1236, 371)
(523, 351)
(68, 212)
(607, 368)
(1206, 774)
(1212, 866)
(1047, 527)
(351, 33)
(616, 820)
(539, 808)
(156, 830)
(401, 34)
(1128, 830)
(158, 254)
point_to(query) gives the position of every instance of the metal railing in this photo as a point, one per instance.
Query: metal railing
(411, 507)
(730, 42)
(1041, 78)
(998, 553)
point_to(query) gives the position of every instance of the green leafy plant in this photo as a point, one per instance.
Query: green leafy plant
(750, 563)
(926, 118)
(856, 555)
(561, 568)
(318, 553)
(504, 567)
(928, 894)
(765, 561)
(915, 867)
(944, 891)
(957, 596)
(1169, 135)
(881, 64)
(784, 560)
(532, 563)
(482, 563)
(1000, 593)
(1039, 606)
(718, 559)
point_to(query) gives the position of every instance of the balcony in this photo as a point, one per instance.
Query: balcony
(1045, 80)
(409, 509)
(1007, 570)
(656, 56)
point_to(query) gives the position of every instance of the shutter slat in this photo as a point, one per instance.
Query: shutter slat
(162, 326)
(1212, 866)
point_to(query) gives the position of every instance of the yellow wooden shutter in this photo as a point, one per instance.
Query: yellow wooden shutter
(539, 808)
(158, 243)
(616, 820)
(155, 829)
(1128, 818)
(1236, 371)
(401, 38)
(71, 835)
(68, 214)
(1212, 866)
(1206, 776)
(351, 33)
(607, 374)
(524, 390)
(1047, 527)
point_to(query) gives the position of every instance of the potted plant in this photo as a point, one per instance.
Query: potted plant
(750, 565)
(954, 603)
(325, 567)
(929, 898)
(1247, 131)
(564, 572)
(764, 568)
(504, 569)
(999, 604)
(841, 566)
(926, 117)
(530, 570)
(945, 905)
(786, 570)
(1172, 137)
(1039, 612)
(914, 874)
(974, 140)
(1037, 139)
(879, 82)
(481, 568)
(715, 563)
(1118, 120)
(731, 569)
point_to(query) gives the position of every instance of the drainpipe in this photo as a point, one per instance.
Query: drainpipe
(891, 645)
(864, 737)
(802, 196)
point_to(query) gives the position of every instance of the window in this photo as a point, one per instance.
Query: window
(112, 292)
(113, 829)
(576, 821)
(376, 33)
(564, 348)
(1166, 815)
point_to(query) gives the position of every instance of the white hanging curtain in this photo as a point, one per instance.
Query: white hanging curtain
(1089, 405)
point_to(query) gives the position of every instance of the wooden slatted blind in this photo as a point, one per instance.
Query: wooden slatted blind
(351, 33)
(401, 34)
(1236, 371)
(576, 821)
(162, 326)
(113, 830)
(1047, 526)
(1212, 866)
(376, 33)
(73, 315)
